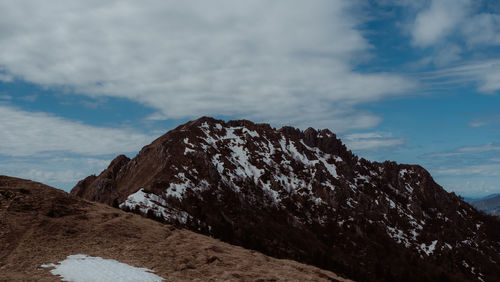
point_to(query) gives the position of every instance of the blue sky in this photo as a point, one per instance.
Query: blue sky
(410, 81)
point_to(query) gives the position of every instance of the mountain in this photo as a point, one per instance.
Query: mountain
(490, 204)
(470, 200)
(303, 195)
(41, 225)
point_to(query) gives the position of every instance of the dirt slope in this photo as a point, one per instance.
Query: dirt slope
(40, 224)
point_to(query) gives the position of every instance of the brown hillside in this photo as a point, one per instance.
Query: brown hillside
(40, 224)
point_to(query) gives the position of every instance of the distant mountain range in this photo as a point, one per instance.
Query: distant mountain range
(473, 199)
(489, 204)
(303, 195)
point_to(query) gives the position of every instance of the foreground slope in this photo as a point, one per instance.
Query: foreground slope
(302, 195)
(40, 224)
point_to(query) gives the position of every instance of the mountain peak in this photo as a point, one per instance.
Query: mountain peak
(200, 121)
(301, 195)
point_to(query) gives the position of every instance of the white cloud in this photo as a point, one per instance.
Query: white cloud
(490, 147)
(459, 37)
(446, 24)
(414, 4)
(29, 98)
(5, 78)
(484, 73)
(479, 149)
(478, 123)
(26, 133)
(442, 56)
(480, 170)
(254, 59)
(470, 185)
(482, 29)
(467, 170)
(449, 53)
(438, 21)
(60, 172)
(65, 175)
(367, 141)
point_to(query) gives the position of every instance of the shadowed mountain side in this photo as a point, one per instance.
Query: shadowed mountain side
(40, 225)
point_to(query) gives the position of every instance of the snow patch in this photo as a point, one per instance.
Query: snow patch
(398, 235)
(205, 125)
(362, 178)
(80, 268)
(151, 202)
(391, 202)
(177, 190)
(428, 250)
(409, 188)
(321, 157)
(217, 163)
(188, 150)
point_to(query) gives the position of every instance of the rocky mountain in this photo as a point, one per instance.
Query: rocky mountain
(489, 205)
(303, 195)
(41, 225)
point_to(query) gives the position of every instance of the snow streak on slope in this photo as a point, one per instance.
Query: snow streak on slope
(149, 202)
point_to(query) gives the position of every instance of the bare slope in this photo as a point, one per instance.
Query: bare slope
(40, 224)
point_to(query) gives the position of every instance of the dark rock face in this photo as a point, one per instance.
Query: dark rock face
(304, 196)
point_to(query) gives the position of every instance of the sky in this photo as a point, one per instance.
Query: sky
(410, 81)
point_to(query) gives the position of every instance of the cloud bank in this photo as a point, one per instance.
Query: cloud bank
(460, 37)
(370, 141)
(277, 61)
(30, 134)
